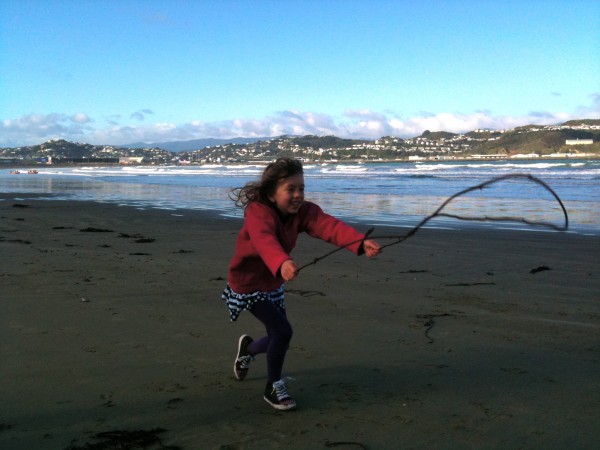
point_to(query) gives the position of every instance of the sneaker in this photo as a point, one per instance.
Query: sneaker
(278, 398)
(243, 358)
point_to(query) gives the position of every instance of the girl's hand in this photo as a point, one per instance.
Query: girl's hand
(371, 248)
(289, 270)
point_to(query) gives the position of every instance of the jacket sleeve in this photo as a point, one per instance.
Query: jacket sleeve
(330, 229)
(262, 225)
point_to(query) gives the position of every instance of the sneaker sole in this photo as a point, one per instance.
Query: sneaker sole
(235, 372)
(280, 407)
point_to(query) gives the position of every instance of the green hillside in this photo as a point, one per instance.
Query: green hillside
(543, 142)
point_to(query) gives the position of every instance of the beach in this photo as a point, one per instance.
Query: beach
(112, 321)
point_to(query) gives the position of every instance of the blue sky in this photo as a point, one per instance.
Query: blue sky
(122, 71)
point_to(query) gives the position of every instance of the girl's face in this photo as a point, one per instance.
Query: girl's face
(289, 194)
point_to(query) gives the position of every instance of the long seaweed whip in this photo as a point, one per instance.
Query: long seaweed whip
(439, 213)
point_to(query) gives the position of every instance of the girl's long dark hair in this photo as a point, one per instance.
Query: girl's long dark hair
(259, 191)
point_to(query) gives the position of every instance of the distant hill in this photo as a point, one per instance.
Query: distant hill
(541, 140)
(60, 150)
(436, 135)
(324, 141)
(572, 123)
(513, 141)
(195, 144)
(525, 140)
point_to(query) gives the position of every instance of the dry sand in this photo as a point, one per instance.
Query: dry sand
(447, 340)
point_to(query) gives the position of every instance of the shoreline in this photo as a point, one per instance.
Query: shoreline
(33, 164)
(437, 224)
(111, 320)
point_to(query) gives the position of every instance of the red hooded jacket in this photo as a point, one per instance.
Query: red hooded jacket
(265, 242)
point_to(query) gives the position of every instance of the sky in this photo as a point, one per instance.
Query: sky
(113, 72)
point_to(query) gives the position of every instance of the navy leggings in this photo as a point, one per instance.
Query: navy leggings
(277, 341)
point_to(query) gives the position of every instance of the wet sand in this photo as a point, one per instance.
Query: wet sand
(111, 320)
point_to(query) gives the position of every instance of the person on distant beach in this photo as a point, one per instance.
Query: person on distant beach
(275, 212)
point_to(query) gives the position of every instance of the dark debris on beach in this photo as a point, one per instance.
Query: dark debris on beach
(126, 440)
(95, 230)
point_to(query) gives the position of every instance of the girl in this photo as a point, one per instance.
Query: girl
(274, 213)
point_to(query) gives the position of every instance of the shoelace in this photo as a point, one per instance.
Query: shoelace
(245, 361)
(280, 391)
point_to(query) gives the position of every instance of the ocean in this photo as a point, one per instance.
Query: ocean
(397, 194)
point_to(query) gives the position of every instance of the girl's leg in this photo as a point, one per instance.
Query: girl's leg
(277, 341)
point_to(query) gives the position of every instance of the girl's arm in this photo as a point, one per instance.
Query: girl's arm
(330, 229)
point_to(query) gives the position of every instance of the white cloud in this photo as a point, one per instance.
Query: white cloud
(141, 114)
(37, 128)
(593, 110)
(364, 114)
(80, 118)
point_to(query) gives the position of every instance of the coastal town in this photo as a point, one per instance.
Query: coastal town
(573, 139)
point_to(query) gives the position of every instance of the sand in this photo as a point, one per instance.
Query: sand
(111, 321)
